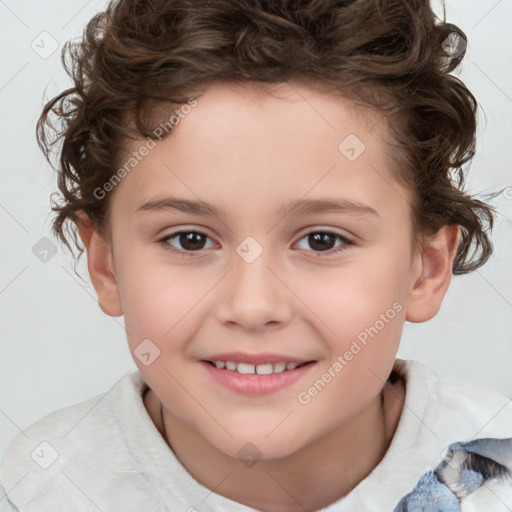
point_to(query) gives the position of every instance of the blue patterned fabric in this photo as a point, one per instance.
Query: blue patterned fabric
(466, 468)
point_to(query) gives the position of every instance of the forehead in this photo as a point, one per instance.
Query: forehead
(309, 107)
(255, 140)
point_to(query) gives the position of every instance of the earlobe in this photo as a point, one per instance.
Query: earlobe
(101, 267)
(436, 265)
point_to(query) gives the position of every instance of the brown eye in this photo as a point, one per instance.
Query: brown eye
(325, 241)
(321, 241)
(190, 241)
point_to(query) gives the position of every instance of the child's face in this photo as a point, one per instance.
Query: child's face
(250, 154)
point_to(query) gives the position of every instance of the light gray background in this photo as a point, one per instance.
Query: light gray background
(58, 348)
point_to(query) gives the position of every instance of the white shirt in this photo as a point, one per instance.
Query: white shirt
(106, 454)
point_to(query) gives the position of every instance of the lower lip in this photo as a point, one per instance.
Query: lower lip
(254, 384)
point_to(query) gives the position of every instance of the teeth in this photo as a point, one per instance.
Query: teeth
(279, 367)
(245, 368)
(264, 369)
(260, 369)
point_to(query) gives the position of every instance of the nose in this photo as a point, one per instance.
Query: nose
(254, 296)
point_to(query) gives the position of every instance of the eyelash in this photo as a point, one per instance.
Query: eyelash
(164, 242)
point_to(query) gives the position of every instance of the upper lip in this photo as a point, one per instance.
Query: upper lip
(256, 359)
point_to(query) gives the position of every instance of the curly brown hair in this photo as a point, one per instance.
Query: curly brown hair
(393, 55)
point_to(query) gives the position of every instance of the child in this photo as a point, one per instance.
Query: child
(312, 152)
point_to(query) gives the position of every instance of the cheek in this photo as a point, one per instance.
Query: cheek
(164, 303)
(359, 310)
(353, 296)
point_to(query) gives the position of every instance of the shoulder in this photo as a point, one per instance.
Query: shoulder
(461, 408)
(460, 434)
(43, 459)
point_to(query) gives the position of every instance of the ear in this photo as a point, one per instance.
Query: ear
(101, 266)
(435, 267)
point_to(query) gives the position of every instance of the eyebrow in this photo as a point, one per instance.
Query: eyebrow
(302, 206)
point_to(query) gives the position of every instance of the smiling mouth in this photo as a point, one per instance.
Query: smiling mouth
(256, 369)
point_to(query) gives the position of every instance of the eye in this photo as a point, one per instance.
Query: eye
(322, 242)
(191, 241)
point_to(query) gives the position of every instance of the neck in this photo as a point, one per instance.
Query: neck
(311, 478)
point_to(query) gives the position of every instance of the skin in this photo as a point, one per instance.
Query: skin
(251, 151)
